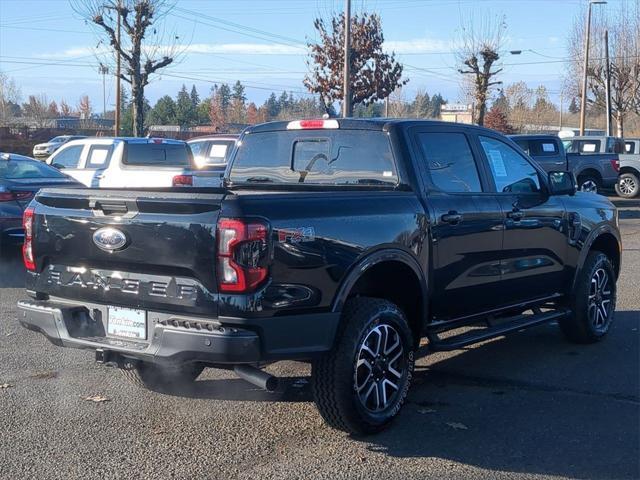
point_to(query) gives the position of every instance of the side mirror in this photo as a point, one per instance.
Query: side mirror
(562, 183)
(57, 165)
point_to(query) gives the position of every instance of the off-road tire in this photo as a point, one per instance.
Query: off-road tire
(334, 376)
(578, 326)
(162, 378)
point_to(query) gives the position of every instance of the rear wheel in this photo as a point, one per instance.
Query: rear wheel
(359, 386)
(589, 183)
(594, 302)
(628, 185)
(163, 378)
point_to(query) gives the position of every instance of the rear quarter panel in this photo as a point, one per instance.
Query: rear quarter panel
(320, 236)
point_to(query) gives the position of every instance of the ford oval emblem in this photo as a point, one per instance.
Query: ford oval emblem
(109, 239)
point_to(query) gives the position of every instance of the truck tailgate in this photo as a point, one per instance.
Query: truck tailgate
(166, 260)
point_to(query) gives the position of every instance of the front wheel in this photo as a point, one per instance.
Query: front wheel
(360, 386)
(628, 185)
(594, 302)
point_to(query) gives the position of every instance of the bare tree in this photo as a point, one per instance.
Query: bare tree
(374, 74)
(141, 57)
(623, 24)
(9, 96)
(65, 109)
(37, 110)
(85, 109)
(478, 56)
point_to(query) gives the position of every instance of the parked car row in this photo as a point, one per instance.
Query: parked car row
(144, 162)
(598, 163)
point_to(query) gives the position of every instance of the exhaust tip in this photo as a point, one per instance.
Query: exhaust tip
(257, 377)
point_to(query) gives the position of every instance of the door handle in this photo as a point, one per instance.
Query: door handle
(452, 217)
(516, 215)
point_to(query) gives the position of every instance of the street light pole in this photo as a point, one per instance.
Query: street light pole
(117, 117)
(104, 70)
(346, 97)
(583, 98)
(608, 82)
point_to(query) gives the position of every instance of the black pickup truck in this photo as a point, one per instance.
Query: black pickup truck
(350, 244)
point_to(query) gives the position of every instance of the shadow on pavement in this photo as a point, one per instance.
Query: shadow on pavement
(529, 403)
(11, 269)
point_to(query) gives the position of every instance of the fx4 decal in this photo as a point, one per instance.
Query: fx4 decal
(296, 235)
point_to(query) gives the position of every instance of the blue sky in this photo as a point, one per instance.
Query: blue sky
(47, 48)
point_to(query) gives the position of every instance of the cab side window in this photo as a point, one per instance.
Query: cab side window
(450, 162)
(511, 171)
(67, 158)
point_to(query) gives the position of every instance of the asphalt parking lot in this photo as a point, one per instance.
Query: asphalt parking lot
(527, 406)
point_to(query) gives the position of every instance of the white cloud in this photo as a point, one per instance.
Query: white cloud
(244, 48)
(420, 45)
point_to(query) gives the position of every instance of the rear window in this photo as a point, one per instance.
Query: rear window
(326, 157)
(630, 147)
(543, 148)
(158, 154)
(23, 169)
(584, 146)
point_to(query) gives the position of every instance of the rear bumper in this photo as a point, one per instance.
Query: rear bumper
(177, 339)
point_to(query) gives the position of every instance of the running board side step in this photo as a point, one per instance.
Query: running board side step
(514, 324)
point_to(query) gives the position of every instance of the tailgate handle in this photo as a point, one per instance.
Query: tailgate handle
(103, 208)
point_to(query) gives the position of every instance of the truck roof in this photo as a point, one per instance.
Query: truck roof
(360, 124)
(535, 136)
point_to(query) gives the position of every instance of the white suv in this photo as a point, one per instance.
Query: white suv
(126, 162)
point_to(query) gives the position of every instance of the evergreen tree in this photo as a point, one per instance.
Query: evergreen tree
(238, 92)
(422, 105)
(195, 98)
(238, 98)
(501, 102)
(573, 106)
(436, 105)
(185, 112)
(164, 112)
(283, 101)
(225, 97)
(272, 107)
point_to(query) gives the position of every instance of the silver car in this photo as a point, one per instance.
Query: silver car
(43, 150)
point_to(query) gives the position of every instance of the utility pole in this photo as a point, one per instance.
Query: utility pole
(561, 107)
(104, 70)
(583, 98)
(608, 82)
(386, 106)
(346, 98)
(117, 119)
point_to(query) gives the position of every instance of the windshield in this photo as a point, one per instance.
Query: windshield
(59, 139)
(23, 169)
(325, 157)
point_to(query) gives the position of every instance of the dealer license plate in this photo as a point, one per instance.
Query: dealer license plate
(127, 323)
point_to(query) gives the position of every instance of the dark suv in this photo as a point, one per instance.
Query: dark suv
(338, 242)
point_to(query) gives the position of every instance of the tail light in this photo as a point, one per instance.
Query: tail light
(243, 254)
(27, 247)
(182, 180)
(10, 196)
(616, 165)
